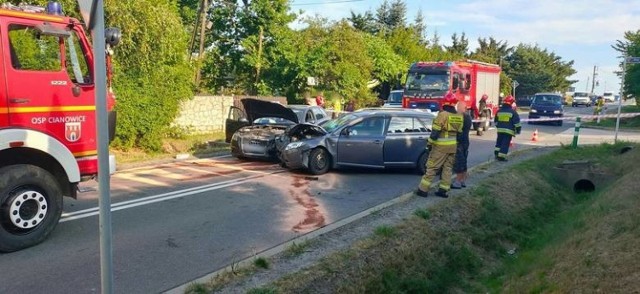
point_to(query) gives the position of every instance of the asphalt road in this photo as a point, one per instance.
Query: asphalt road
(176, 222)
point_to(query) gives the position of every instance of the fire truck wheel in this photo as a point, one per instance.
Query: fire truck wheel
(30, 206)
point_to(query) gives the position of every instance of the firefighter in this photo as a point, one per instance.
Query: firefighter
(599, 105)
(508, 124)
(442, 147)
(482, 106)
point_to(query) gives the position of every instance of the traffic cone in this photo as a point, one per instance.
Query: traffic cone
(534, 138)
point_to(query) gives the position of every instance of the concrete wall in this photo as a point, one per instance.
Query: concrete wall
(204, 114)
(207, 114)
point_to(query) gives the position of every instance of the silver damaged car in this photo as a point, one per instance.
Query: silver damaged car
(372, 138)
(252, 132)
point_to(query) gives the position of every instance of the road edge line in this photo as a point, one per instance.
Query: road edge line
(297, 240)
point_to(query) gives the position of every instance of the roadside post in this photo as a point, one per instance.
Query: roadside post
(93, 13)
(515, 85)
(576, 132)
(629, 60)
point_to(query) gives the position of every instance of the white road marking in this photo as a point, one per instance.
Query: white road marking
(162, 197)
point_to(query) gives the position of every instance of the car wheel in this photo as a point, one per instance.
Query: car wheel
(319, 161)
(422, 163)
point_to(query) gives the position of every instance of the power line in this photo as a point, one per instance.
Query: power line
(330, 2)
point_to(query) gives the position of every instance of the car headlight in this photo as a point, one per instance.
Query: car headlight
(534, 111)
(294, 145)
(557, 112)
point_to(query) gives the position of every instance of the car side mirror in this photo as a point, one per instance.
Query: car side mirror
(345, 132)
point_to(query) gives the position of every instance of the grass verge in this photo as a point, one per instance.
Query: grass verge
(196, 145)
(520, 231)
(625, 122)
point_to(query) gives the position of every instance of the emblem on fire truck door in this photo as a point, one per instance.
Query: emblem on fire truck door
(72, 131)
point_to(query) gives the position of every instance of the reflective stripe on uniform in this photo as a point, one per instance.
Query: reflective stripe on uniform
(504, 116)
(444, 141)
(506, 131)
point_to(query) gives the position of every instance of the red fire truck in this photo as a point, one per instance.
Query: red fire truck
(428, 82)
(47, 119)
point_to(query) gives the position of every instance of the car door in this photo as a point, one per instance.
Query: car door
(49, 83)
(362, 144)
(406, 140)
(236, 119)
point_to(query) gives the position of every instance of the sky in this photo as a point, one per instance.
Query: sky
(578, 30)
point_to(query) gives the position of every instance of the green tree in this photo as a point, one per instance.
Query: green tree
(630, 46)
(459, 46)
(244, 37)
(390, 16)
(538, 70)
(152, 73)
(363, 22)
(420, 27)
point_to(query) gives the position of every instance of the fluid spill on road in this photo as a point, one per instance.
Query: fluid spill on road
(313, 218)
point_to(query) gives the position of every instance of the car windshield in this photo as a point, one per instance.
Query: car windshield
(334, 124)
(272, 121)
(427, 81)
(547, 99)
(395, 97)
(581, 94)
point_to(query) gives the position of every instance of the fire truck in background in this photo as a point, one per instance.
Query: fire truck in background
(468, 80)
(47, 118)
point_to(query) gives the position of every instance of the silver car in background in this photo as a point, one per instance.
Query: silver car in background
(252, 132)
(371, 138)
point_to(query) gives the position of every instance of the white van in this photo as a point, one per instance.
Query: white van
(608, 97)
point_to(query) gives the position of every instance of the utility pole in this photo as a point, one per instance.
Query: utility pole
(259, 63)
(586, 87)
(194, 34)
(203, 26)
(593, 81)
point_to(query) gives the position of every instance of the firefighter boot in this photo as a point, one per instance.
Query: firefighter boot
(442, 193)
(422, 193)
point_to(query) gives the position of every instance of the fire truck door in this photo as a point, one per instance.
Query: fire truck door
(49, 87)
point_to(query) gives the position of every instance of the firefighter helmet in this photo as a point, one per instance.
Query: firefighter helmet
(509, 100)
(484, 97)
(449, 99)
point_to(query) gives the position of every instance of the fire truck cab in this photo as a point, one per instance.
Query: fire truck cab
(47, 119)
(468, 80)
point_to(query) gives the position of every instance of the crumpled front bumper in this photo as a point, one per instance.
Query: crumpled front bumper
(297, 158)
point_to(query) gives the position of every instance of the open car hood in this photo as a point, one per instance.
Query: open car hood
(256, 109)
(306, 130)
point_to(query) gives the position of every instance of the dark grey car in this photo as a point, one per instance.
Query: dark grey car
(252, 132)
(372, 138)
